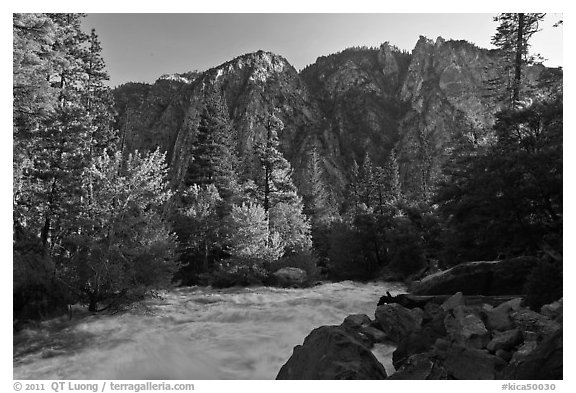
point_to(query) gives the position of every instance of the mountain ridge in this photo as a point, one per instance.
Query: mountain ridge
(357, 101)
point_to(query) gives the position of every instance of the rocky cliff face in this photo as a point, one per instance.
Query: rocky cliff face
(345, 105)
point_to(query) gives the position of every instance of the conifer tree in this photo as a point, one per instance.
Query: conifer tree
(319, 204)
(366, 181)
(513, 39)
(274, 181)
(213, 153)
(277, 193)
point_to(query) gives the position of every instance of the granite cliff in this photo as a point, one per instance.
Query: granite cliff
(358, 101)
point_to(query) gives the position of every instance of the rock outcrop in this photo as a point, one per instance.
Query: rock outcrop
(358, 101)
(290, 277)
(332, 352)
(437, 340)
(397, 321)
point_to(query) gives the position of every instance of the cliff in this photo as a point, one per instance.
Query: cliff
(358, 101)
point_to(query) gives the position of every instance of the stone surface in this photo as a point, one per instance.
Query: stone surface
(397, 321)
(420, 367)
(524, 350)
(290, 276)
(454, 301)
(469, 363)
(497, 318)
(356, 321)
(375, 335)
(544, 362)
(412, 344)
(466, 329)
(330, 352)
(510, 305)
(531, 321)
(504, 355)
(505, 340)
(357, 101)
(553, 310)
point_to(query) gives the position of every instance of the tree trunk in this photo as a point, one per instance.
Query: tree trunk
(93, 304)
(518, 60)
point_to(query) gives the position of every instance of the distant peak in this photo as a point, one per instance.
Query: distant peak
(187, 77)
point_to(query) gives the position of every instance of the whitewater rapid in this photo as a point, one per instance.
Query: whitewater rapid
(194, 333)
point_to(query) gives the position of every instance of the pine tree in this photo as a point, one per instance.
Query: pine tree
(366, 181)
(319, 204)
(213, 153)
(512, 38)
(354, 189)
(55, 142)
(274, 181)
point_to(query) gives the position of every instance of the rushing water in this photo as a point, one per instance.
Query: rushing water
(194, 333)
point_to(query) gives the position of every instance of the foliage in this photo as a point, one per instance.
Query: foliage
(198, 224)
(122, 241)
(213, 152)
(238, 272)
(406, 247)
(544, 284)
(345, 253)
(250, 236)
(274, 179)
(319, 205)
(292, 226)
(512, 38)
(505, 199)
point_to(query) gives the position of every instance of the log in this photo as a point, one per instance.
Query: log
(413, 301)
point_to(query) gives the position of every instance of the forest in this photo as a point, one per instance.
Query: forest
(99, 224)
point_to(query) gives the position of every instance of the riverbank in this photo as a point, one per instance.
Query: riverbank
(438, 337)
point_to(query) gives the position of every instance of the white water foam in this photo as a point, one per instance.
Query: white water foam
(195, 333)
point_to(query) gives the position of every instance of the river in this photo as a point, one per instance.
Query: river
(194, 333)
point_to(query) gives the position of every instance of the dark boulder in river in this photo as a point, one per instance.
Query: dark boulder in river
(332, 352)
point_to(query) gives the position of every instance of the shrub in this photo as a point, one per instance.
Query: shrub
(544, 284)
(346, 255)
(238, 272)
(405, 248)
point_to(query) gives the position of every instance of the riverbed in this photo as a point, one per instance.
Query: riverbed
(194, 333)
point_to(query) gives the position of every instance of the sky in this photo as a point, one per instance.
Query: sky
(142, 47)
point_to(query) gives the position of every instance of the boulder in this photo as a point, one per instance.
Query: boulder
(331, 352)
(488, 278)
(504, 355)
(553, 310)
(290, 276)
(420, 367)
(510, 306)
(397, 321)
(505, 340)
(531, 321)
(470, 363)
(524, 350)
(374, 335)
(466, 328)
(544, 362)
(356, 321)
(496, 318)
(453, 301)
(412, 344)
